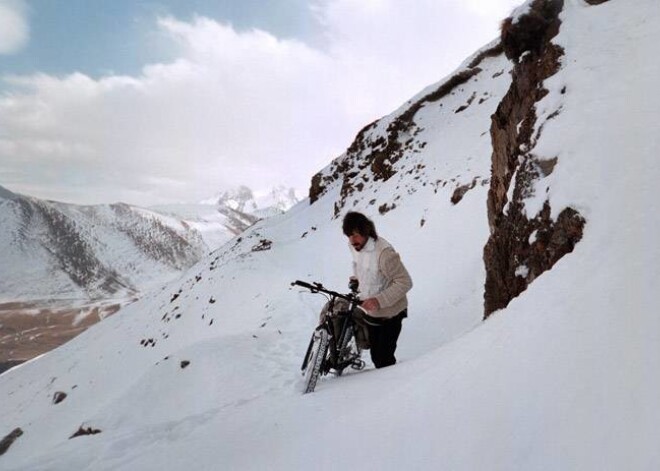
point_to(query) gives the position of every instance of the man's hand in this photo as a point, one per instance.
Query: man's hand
(370, 305)
(353, 284)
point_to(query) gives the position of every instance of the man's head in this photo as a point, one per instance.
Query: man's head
(358, 228)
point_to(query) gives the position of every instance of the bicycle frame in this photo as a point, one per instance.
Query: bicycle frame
(338, 360)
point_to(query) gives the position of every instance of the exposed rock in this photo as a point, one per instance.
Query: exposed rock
(184, 363)
(386, 208)
(596, 2)
(531, 31)
(58, 397)
(9, 440)
(512, 259)
(264, 244)
(460, 191)
(466, 105)
(85, 431)
(494, 51)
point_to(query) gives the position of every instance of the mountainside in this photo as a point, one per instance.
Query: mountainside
(521, 189)
(66, 267)
(53, 250)
(70, 266)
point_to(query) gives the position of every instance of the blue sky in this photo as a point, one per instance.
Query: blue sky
(156, 102)
(99, 37)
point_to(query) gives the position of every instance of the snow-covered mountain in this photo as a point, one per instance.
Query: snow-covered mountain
(521, 188)
(54, 250)
(262, 204)
(221, 218)
(217, 224)
(67, 267)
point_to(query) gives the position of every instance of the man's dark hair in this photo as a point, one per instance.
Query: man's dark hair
(358, 222)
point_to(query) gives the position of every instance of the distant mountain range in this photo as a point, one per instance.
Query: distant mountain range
(65, 267)
(230, 212)
(55, 250)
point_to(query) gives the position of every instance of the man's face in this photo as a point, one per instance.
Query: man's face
(357, 240)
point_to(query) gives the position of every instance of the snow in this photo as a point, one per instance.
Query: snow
(29, 244)
(564, 378)
(522, 271)
(520, 11)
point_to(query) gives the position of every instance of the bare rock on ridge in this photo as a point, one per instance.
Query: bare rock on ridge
(522, 246)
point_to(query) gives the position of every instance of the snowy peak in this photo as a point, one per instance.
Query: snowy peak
(261, 204)
(231, 212)
(239, 199)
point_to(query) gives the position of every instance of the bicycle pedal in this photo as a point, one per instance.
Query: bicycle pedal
(358, 365)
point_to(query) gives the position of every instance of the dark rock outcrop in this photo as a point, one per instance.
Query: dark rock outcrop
(9, 440)
(84, 431)
(58, 397)
(523, 246)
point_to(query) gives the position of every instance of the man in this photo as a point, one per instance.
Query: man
(383, 283)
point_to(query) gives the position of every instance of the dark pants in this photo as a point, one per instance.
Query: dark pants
(383, 340)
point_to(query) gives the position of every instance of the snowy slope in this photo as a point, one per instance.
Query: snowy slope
(562, 378)
(55, 250)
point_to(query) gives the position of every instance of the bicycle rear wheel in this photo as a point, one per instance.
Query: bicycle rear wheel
(314, 360)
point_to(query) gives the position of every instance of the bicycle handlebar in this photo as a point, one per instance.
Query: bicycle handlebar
(318, 288)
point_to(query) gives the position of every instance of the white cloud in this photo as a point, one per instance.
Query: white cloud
(14, 29)
(234, 108)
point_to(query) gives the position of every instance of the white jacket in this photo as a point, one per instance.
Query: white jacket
(382, 275)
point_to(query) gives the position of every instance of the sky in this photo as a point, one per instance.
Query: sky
(173, 101)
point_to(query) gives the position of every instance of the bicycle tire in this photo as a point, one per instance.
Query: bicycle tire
(307, 354)
(314, 366)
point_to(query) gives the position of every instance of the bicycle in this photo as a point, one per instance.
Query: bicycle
(333, 346)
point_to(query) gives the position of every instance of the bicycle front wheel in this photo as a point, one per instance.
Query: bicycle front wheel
(315, 358)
